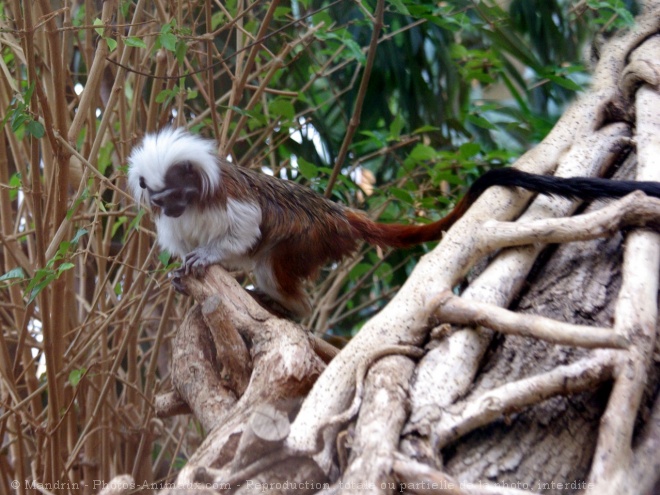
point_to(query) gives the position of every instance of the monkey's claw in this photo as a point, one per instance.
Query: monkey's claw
(177, 282)
(195, 263)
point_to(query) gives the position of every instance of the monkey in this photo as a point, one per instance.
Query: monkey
(209, 211)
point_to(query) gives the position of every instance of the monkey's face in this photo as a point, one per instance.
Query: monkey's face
(182, 188)
(175, 170)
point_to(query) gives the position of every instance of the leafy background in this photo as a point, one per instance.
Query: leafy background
(454, 88)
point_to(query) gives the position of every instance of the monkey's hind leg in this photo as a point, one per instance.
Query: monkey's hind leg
(283, 287)
(271, 305)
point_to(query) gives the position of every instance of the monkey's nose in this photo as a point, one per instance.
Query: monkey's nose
(174, 211)
(157, 201)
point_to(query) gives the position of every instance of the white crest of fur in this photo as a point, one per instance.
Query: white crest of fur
(159, 151)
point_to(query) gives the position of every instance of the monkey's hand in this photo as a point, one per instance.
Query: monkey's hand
(194, 264)
(177, 281)
(198, 259)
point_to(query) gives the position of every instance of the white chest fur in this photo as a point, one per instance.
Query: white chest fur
(230, 233)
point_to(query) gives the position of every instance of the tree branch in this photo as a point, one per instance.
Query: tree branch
(359, 100)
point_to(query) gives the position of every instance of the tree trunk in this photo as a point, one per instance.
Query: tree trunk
(554, 440)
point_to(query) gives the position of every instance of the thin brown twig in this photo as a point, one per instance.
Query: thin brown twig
(224, 60)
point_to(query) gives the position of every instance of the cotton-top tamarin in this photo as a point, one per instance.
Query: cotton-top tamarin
(208, 211)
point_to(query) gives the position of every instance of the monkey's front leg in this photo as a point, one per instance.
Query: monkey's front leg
(195, 264)
(196, 261)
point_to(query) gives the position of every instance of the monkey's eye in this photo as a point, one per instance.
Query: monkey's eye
(143, 184)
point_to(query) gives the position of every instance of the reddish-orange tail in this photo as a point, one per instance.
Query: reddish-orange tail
(400, 236)
(586, 188)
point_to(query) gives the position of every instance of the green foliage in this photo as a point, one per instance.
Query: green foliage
(54, 268)
(14, 185)
(135, 42)
(19, 117)
(76, 375)
(171, 39)
(13, 274)
(112, 43)
(167, 39)
(614, 14)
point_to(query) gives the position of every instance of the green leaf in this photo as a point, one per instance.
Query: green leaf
(359, 270)
(77, 203)
(18, 119)
(345, 38)
(167, 41)
(79, 234)
(112, 44)
(165, 95)
(14, 273)
(243, 112)
(480, 122)
(400, 7)
(308, 170)
(99, 30)
(135, 42)
(377, 138)
(282, 108)
(40, 281)
(34, 128)
(76, 375)
(64, 267)
(426, 128)
(396, 126)
(104, 159)
(217, 19)
(119, 222)
(136, 221)
(281, 12)
(125, 7)
(180, 50)
(167, 28)
(468, 150)
(422, 152)
(402, 195)
(62, 249)
(14, 184)
(165, 257)
(28, 94)
(564, 82)
(355, 49)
